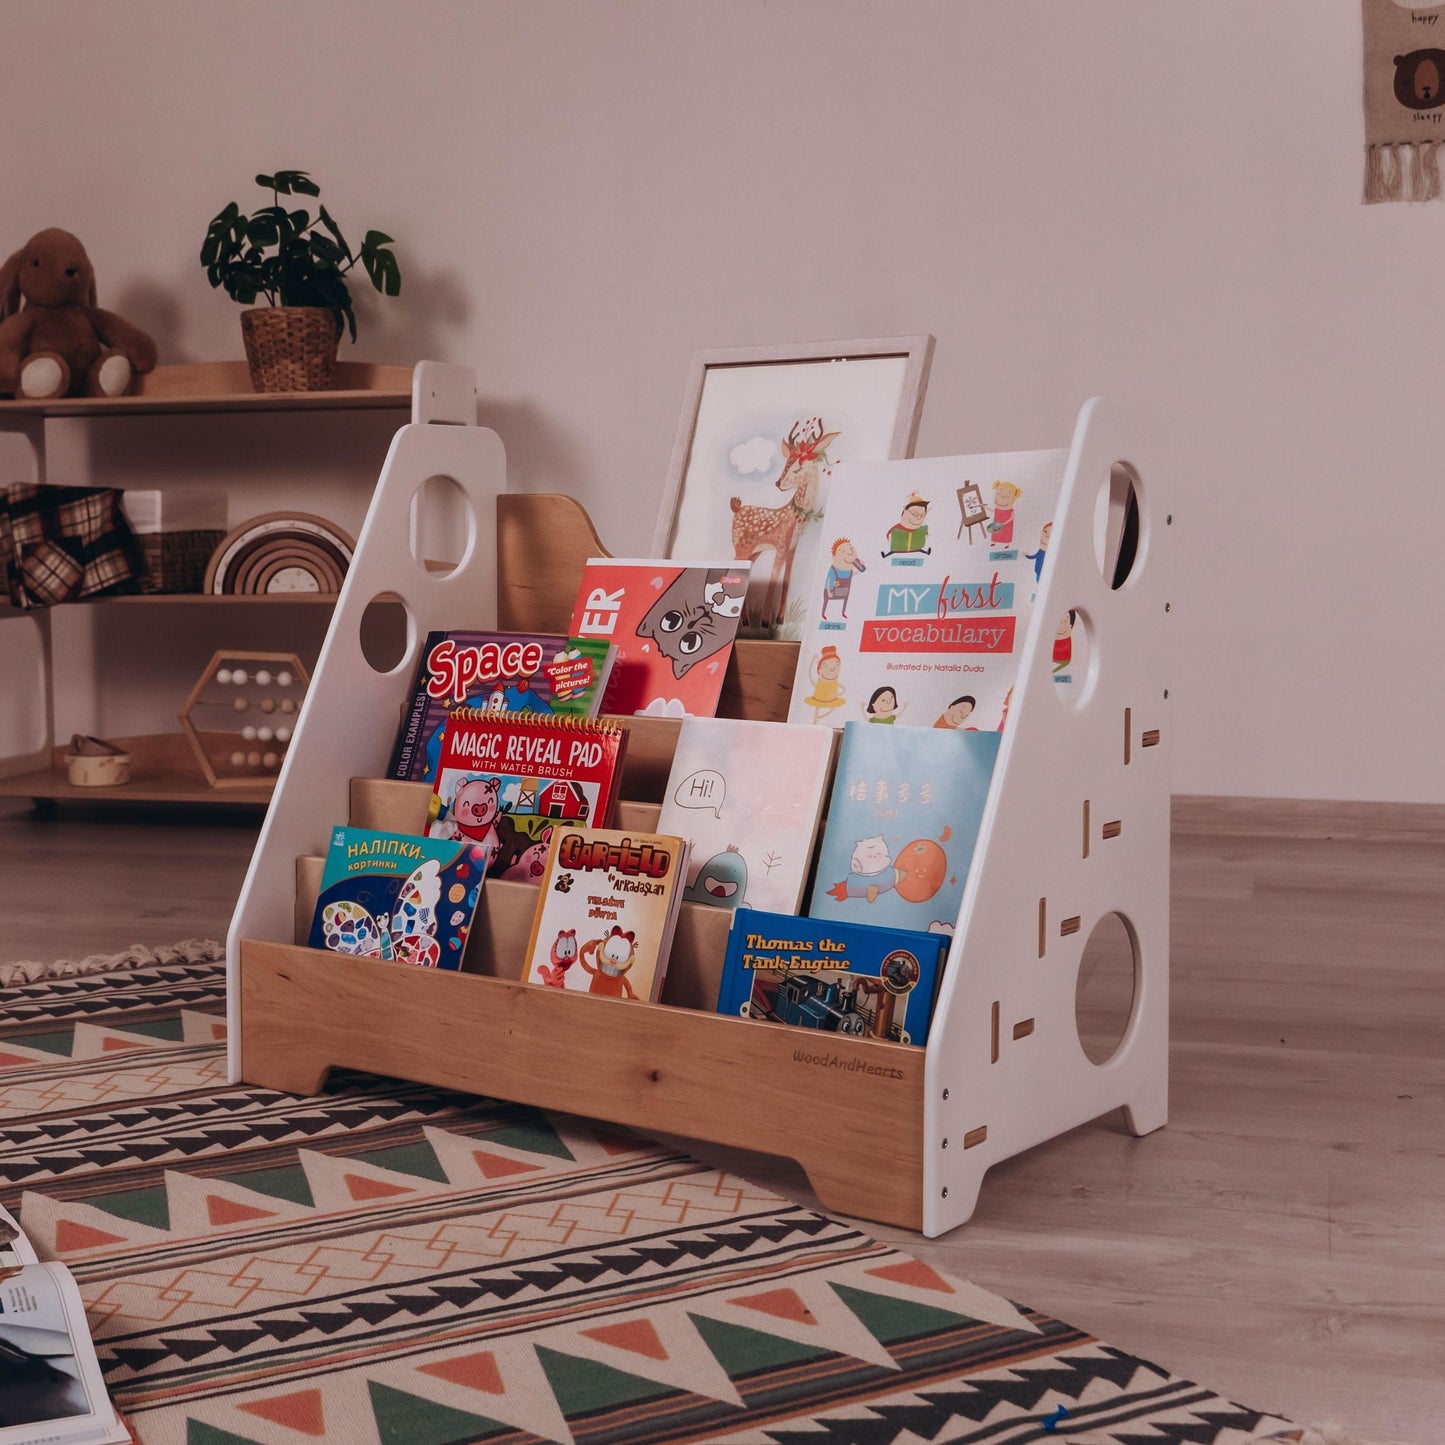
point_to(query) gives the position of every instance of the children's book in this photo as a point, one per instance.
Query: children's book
(507, 779)
(903, 818)
(673, 626)
(525, 672)
(923, 590)
(747, 796)
(399, 897)
(51, 1388)
(607, 910)
(842, 978)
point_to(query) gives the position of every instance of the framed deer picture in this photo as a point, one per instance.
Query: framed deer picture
(760, 432)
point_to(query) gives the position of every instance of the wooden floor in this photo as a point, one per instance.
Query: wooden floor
(1283, 1240)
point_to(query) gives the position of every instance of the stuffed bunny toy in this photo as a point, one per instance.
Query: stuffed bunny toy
(59, 342)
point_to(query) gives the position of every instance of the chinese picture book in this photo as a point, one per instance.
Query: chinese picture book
(523, 672)
(748, 796)
(673, 626)
(607, 910)
(903, 817)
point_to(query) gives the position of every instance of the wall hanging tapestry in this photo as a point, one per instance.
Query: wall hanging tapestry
(389, 1264)
(1404, 99)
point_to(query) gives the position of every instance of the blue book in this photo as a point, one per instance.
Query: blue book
(398, 897)
(842, 978)
(903, 818)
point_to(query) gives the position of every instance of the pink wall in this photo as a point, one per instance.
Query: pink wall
(1106, 196)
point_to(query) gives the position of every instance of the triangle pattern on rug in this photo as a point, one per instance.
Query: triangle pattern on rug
(339, 1183)
(65, 1227)
(581, 1385)
(507, 1382)
(658, 1350)
(403, 1419)
(94, 1041)
(201, 1205)
(891, 1319)
(199, 1433)
(805, 1312)
(202, 1028)
(482, 1161)
(301, 1411)
(912, 1280)
(287, 1181)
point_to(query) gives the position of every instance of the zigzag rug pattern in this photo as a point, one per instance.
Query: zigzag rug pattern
(392, 1265)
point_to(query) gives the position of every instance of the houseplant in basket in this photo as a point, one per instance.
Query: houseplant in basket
(299, 263)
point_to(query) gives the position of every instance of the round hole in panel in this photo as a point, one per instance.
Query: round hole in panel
(1106, 987)
(1073, 660)
(443, 526)
(1118, 525)
(386, 633)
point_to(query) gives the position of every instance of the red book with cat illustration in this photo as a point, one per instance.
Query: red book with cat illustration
(608, 907)
(673, 626)
(507, 779)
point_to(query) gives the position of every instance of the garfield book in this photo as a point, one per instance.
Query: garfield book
(608, 906)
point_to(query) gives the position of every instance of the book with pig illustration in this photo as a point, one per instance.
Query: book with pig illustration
(837, 977)
(397, 897)
(506, 780)
(520, 672)
(923, 590)
(672, 625)
(747, 796)
(607, 910)
(903, 817)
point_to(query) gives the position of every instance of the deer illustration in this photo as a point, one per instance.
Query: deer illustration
(777, 529)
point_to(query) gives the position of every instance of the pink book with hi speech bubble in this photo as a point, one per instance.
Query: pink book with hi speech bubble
(748, 795)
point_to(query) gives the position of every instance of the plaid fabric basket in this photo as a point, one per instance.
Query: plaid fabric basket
(58, 544)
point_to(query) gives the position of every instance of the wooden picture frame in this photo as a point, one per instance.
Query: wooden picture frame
(897, 366)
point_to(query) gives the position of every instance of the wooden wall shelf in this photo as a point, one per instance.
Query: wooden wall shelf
(163, 770)
(212, 386)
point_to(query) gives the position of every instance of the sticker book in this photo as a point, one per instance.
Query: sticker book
(507, 779)
(903, 817)
(844, 978)
(523, 672)
(748, 796)
(673, 626)
(923, 587)
(607, 910)
(398, 897)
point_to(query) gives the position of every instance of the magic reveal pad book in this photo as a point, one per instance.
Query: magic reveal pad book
(923, 589)
(607, 911)
(903, 818)
(673, 626)
(507, 779)
(843, 978)
(398, 897)
(522, 672)
(748, 796)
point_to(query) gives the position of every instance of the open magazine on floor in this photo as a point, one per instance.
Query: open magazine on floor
(51, 1392)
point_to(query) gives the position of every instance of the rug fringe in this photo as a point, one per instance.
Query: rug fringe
(193, 950)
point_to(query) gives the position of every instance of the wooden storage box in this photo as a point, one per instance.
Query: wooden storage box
(1076, 828)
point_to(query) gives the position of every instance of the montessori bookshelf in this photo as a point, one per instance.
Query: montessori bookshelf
(1076, 829)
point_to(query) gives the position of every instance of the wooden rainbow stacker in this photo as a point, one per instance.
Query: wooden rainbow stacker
(1076, 828)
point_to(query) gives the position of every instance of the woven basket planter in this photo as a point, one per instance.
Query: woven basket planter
(291, 348)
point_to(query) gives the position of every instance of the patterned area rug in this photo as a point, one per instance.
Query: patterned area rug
(393, 1265)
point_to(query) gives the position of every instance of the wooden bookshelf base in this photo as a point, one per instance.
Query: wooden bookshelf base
(848, 1110)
